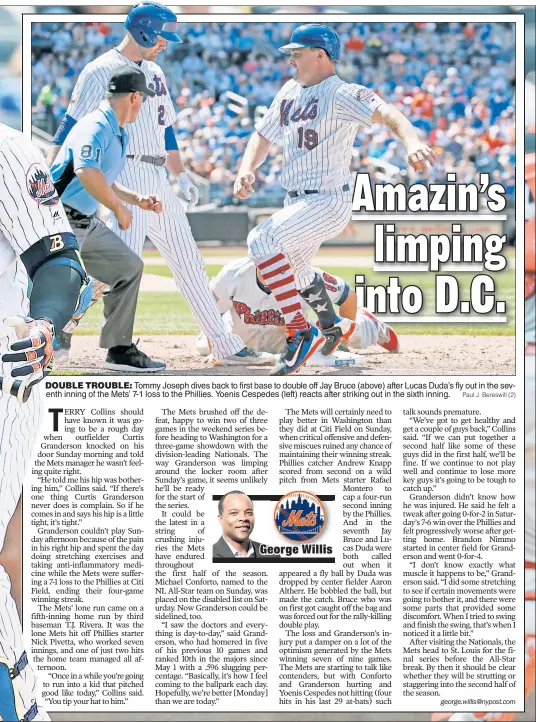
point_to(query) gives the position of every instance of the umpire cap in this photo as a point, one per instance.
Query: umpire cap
(129, 80)
(315, 36)
(147, 20)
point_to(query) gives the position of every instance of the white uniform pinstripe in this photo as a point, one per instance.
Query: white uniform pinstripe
(25, 188)
(316, 126)
(170, 230)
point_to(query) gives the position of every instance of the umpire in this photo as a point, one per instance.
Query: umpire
(84, 173)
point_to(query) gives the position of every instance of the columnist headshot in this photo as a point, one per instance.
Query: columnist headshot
(237, 520)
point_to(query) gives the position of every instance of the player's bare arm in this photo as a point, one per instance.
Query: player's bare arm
(95, 183)
(52, 153)
(174, 163)
(255, 154)
(420, 155)
(145, 202)
(348, 309)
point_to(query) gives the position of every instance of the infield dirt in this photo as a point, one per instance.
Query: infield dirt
(419, 356)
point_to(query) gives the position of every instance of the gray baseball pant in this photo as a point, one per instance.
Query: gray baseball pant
(107, 258)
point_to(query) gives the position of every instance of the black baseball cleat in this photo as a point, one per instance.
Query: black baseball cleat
(130, 359)
(341, 331)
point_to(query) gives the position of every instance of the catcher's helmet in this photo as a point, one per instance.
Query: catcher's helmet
(147, 20)
(315, 36)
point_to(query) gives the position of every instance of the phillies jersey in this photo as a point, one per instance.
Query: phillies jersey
(255, 315)
(146, 135)
(316, 126)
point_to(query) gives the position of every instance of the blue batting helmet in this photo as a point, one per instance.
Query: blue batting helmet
(315, 36)
(147, 20)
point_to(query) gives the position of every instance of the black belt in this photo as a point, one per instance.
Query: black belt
(76, 217)
(18, 666)
(151, 159)
(295, 194)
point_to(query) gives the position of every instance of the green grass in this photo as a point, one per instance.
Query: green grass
(158, 314)
(212, 270)
(166, 313)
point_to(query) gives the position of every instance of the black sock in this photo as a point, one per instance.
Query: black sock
(316, 296)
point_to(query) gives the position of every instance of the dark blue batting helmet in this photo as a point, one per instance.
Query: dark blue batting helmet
(147, 20)
(315, 36)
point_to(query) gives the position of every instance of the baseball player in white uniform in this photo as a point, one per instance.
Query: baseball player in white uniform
(36, 242)
(314, 117)
(152, 146)
(253, 313)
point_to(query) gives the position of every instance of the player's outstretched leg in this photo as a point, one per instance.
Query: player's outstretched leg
(302, 338)
(386, 336)
(334, 328)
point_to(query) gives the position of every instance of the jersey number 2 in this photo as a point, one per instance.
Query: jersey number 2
(161, 113)
(307, 139)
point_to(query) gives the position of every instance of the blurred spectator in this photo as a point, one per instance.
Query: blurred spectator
(45, 99)
(10, 90)
(454, 80)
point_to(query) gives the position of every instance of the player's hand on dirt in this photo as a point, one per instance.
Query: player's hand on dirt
(123, 217)
(150, 203)
(243, 186)
(420, 156)
(188, 189)
(30, 354)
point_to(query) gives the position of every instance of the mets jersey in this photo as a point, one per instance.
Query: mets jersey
(30, 208)
(317, 126)
(146, 135)
(29, 211)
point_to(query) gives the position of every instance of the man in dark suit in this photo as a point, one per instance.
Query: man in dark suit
(237, 519)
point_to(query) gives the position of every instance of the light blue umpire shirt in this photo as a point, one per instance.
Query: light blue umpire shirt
(96, 141)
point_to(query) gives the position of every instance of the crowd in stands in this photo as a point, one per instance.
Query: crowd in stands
(455, 81)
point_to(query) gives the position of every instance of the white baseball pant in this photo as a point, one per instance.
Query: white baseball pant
(170, 232)
(299, 229)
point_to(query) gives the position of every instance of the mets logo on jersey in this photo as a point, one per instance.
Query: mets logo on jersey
(308, 112)
(300, 516)
(40, 186)
(158, 87)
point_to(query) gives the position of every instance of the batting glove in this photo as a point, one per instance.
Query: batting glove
(189, 190)
(31, 353)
